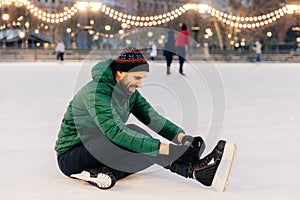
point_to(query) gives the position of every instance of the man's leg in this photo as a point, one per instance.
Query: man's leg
(79, 159)
(98, 151)
(62, 56)
(181, 57)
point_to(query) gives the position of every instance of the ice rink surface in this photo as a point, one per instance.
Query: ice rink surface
(262, 116)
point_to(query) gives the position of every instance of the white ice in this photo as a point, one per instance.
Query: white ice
(262, 116)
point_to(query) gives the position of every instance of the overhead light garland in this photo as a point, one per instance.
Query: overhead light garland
(245, 22)
(41, 14)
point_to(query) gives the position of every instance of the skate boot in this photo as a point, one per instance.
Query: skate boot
(101, 177)
(214, 169)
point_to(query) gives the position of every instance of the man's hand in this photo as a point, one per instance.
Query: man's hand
(187, 154)
(195, 142)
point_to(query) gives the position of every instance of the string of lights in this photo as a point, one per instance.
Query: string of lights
(246, 22)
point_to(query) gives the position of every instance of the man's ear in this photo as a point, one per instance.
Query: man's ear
(120, 75)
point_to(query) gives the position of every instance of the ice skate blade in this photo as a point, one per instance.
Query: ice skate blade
(221, 179)
(102, 181)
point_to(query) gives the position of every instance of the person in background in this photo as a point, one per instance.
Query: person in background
(182, 40)
(152, 51)
(257, 49)
(169, 50)
(206, 51)
(60, 50)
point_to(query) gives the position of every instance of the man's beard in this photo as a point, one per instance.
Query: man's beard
(127, 88)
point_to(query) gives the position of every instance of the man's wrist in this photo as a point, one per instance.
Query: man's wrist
(179, 137)
(164, 149)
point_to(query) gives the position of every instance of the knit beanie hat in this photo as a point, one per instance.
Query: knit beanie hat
(130, 59)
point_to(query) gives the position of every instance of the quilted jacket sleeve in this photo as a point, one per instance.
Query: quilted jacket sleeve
(144, 112)
(100, 108)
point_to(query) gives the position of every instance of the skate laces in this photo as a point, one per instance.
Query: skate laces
(96, 171)
(213, 157)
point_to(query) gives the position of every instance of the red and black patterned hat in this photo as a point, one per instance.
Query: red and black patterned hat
(130, 60)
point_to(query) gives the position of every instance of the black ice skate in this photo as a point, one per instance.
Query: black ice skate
(214, 169)
(101, 177)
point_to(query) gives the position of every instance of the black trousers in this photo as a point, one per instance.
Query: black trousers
(60, 56)
(169, 59)
(181, 56)
(121, 163)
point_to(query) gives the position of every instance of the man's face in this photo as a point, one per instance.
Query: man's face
(131, 80)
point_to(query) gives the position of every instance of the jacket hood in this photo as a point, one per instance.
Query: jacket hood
(102, 72)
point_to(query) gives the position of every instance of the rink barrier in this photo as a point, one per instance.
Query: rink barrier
(48, 55)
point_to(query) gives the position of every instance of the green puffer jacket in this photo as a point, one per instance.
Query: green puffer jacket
(102, 107)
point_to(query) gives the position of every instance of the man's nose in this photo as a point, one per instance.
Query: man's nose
(139, 83)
